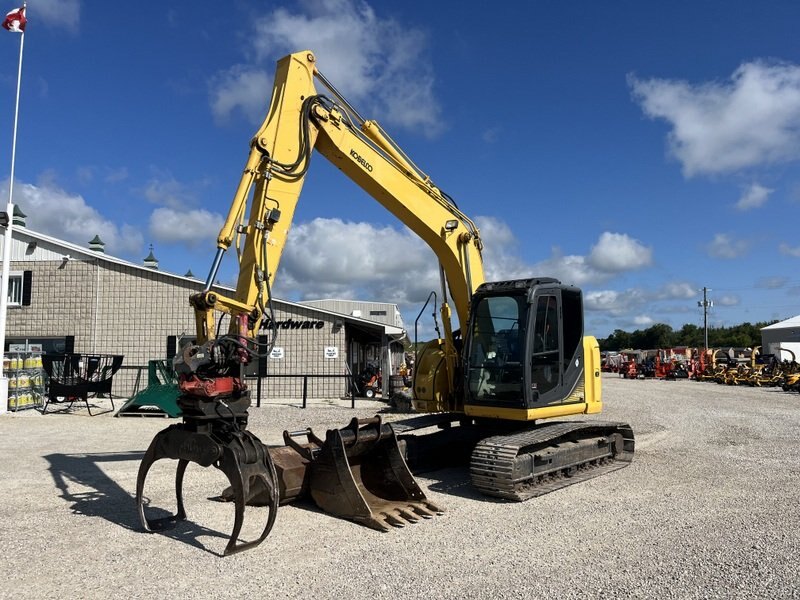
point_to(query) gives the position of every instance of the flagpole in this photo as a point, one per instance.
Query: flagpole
(7, 241)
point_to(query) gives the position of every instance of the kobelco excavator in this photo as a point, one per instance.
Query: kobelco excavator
(489, 387)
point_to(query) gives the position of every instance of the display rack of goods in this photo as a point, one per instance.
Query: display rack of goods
(25, 380)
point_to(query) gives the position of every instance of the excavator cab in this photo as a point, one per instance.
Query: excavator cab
(525, 344)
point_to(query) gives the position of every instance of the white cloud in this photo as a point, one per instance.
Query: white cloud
(65, 14)
(615, 302)
(789, 250)
(166, 190)
(674, 309)
(643, 321)
(327, 257)
(772, 283)
(612, 255)
(378, 64)
(725, 246)
(753, 197)
(624, 303)
(677, 291)
(334, 258)
(728, 300)
(176, 220)
(719, 127)
(344, 34)
(241, 88)
(52, 211)
(116, 175)
(87, 174)
(194, 228)
(615, 253)
(501, 260)
(570, 269)
(603, 300)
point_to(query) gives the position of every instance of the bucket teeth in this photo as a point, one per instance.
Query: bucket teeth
(408, 515)
(422, 511)
(393, 520)
(433, 508)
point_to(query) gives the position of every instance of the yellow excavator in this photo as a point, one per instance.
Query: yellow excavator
(488, 387)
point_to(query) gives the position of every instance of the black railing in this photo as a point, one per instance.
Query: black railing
(135, 381)
(305, 377)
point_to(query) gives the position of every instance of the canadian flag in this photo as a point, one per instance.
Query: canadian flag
(15, 20)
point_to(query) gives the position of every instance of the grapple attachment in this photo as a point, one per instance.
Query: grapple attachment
(226, 445)
(359, 473)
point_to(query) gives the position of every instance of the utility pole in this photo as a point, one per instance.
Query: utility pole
(706, 304)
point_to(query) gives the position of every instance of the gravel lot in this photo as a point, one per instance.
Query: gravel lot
(707, 509)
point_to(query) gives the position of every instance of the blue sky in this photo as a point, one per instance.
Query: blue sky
(638, 150)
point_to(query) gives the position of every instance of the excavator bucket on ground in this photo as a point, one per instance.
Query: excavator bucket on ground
(359, 473)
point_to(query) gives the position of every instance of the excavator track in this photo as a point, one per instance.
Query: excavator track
(522, 465)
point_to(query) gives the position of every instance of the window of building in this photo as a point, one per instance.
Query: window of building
(377, 313)
(19, 288)
(15, 288)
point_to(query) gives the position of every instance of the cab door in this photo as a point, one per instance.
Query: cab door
(544, 375)
(555, 346)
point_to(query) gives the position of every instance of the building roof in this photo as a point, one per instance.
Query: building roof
(788, 323)
(60, 248)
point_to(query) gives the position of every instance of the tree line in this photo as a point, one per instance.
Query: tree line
(660, 335)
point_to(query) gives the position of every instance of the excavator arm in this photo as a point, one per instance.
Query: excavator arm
(301, 121)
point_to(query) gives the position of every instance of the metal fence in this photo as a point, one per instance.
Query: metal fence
(135, 379)
(305, 377)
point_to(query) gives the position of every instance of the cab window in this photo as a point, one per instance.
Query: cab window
(495, 358)
(545, 359)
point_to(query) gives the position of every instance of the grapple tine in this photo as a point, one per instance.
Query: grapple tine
(229, 465)
(179, 473)
(154, 453)
(241, 474)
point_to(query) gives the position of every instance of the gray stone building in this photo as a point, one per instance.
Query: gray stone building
(77, 299)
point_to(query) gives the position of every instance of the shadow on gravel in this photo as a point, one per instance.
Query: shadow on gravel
(450, 482)
(455, 481)
(104, 497)
(101, 496)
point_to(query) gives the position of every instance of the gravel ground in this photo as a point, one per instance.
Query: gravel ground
(707, 509)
